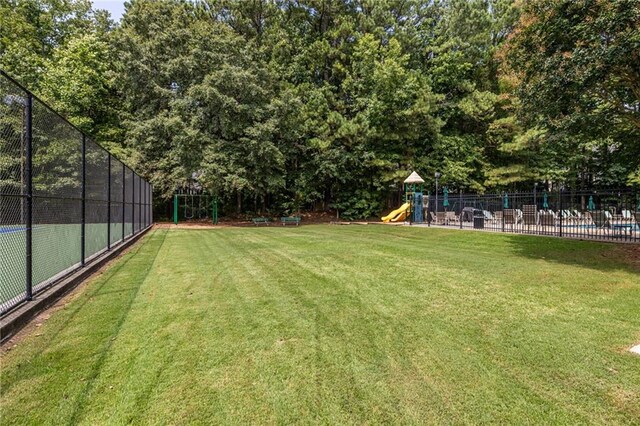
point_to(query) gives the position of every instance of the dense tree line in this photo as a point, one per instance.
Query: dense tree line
(315, 104)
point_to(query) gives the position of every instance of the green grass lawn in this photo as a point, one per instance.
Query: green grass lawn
(338, 324)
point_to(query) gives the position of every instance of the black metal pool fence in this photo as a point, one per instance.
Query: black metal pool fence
(599, 215)
(63, 198)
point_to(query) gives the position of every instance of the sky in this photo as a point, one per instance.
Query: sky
(115, 7)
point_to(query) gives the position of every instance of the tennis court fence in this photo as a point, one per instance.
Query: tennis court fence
(63, 198)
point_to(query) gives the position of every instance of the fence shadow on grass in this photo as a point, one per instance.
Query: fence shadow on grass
(117, 324)
(594, 255)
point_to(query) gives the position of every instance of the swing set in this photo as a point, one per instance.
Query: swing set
(191, 206)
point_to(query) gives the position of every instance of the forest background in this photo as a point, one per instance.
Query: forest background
(280, 105)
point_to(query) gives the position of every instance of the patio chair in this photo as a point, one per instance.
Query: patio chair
(575, 218)
(601, 218)
(530, 216)
(627, 216)
(580, 217)
(624, 223)
(441, 218)
(587, 219)
(488, 216)
(547, 218)
(510, 217)
(452, 217)
(518, 216)
(568, 218)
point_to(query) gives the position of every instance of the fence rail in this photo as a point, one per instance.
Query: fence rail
(63, 198)
(598, 215)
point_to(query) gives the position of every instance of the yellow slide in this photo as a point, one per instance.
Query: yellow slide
(398, 214)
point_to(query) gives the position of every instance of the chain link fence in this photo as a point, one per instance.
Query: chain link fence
(63, 198)
(598, 215)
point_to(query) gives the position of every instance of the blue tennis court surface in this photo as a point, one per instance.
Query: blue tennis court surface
(11, 230)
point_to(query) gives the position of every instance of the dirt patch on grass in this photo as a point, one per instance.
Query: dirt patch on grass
(624, 399)
(243, 221)
(189, 225)
(34, 325)
(629, 253)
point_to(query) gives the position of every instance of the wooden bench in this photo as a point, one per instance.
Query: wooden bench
(258, 220)
(293, 219)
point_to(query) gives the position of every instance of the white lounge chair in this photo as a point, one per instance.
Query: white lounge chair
(488, 216)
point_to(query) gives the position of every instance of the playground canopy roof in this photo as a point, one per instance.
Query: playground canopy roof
(414, 178)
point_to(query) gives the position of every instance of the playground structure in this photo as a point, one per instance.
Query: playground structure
(414, 199)
(193, 205)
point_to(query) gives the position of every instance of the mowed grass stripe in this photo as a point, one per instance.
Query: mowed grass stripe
(56, 371)
(341, 325)
(448, 333)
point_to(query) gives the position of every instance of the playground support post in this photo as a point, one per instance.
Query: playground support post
(175, 209)
(410, 208)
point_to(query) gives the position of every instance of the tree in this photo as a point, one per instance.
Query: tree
(33, 29)
(79, 84)
(577, 64)
(205, 112)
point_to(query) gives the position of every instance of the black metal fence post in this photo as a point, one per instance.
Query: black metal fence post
(146, 205)
(144, 209)
(560, 209)
(124, 200)
(502, 204)
(84, 193)
(109, 202)
(133, 203)
(460, 214)
(636, 206)
(637, 215)
(29, 194)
